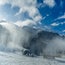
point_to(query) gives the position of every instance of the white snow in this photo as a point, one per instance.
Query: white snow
(19, 59)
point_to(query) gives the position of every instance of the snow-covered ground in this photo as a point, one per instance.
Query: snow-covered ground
(19, 59)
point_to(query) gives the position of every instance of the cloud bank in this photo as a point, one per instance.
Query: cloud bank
(50, 3)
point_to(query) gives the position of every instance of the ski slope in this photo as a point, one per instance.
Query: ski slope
(19, 59)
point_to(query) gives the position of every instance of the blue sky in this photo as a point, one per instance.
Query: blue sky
(55, 15)
(49, 14)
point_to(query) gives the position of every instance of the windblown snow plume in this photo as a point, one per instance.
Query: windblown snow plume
(55, 47)
(12, 36)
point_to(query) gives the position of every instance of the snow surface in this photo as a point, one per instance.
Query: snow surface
(19, 59)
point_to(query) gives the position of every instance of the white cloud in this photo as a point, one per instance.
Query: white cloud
(2, 2)
(63, 31)
(21, 3)
(61, 17)
(57, 24)
(54, 24)
(50, 3)
(25, 23)
(18, 2)
(37, 18)
(25, 6)
(2, 17)
(62, 23)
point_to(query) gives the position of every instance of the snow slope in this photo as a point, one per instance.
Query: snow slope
(18, 59)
